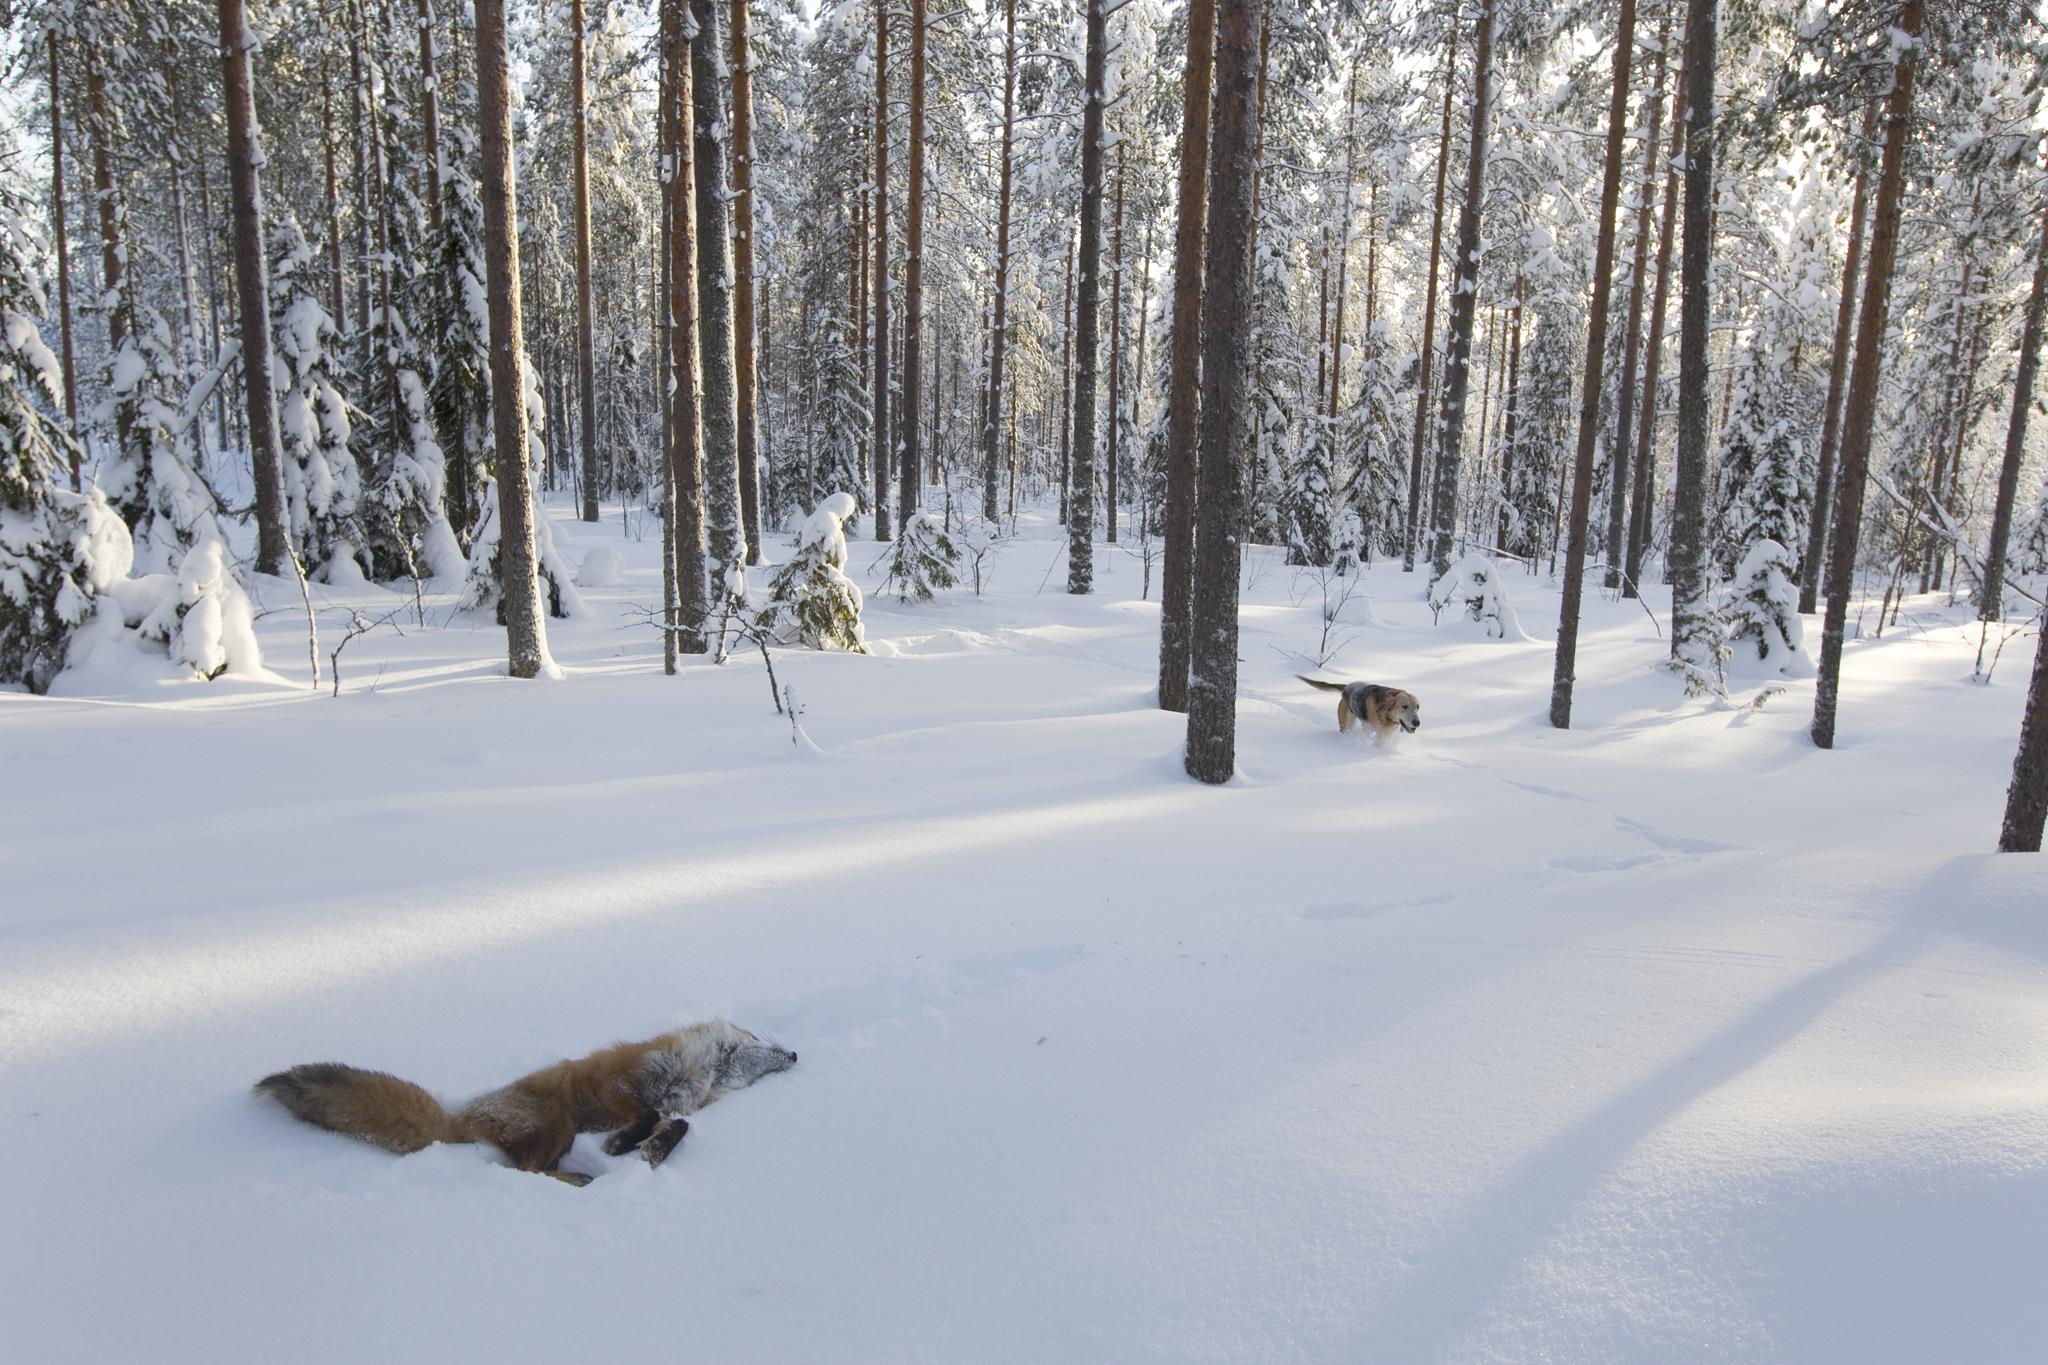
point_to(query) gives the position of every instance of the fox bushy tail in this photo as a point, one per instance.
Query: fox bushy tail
(378, 1108)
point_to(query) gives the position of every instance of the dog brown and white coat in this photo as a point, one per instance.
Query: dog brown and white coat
(1382, 710)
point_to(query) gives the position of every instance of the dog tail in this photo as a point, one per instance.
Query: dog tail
(1318, 682)
(379, 1109)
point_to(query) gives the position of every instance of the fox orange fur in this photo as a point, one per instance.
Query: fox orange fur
(637, 1092)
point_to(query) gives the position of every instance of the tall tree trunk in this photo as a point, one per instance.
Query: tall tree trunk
(664, 332)
(1511, 397)
(363, 127)
(1859, 415)
(910, 462)
(1436, 241)
(1838, 369)
(692, 603)
(1211, 753)
(337, 293)
(111, 252)
(743, 281)
(1066, 396)
(1691, 621)
(66, 350)
(2026, 800)
(1343, 249)
(265, 445)
(430, 114)
(724, 541)
(1993, 586)
(586, 359)
(881, 266)
(992, 409)
(526, 641)
(1464, 301)
(1640, 524)
(1622, 474)
(1589, 404)
(1087, 311)
(1176, 573)
(1116, 354)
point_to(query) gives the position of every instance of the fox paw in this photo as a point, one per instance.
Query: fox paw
(663, 1140)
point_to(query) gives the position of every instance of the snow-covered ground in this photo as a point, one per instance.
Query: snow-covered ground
(1667, 1038)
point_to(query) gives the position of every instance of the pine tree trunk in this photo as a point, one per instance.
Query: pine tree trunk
(664, 330)
(1589, 404)
(1838, 368)
(1640, 523)
(111, 252)
(430, 114)
(1510, 404)
(1859, 414)
(1116, 355)
(910, 461)
(1623, 475)
(1211, 754)
(1992, 588)
(66, 351)
(2026, 800)
(992, 409)
(715, 322)
(692, 605)
(362, 128)
(1436, 241)
(744, 358)
(526, 640)
(1176, 573)
(586, 359)
(1343, 250)
(881, 268)
(1087, 312)
(1686, 558)
(1066, 397)
(336, 276)
(1464, 303)
(265, 444)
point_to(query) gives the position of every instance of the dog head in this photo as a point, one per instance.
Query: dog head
(1405, 711)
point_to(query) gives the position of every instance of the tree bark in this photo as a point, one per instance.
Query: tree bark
(1639, 525)
(1992, 589)
(1589, 404)
(1176, 573)
(111, 253)
(881, 267)
(1066, 396)
(1686, 559)
(724, 541)
(1343, 249)
(1116, 355)
(265, 444)
(1510, 405)
(1087, 312)
(1436, 239)
(2026, 800)
(1859, 415)
(1464, 303)
(1838, 369)
(744, 357)
(63, 254)
(1211, 753)
(586, 360)
(430, 113)
(526, 640)
(910, 461)
(685, 410)
(1622, 474)
(992, 410)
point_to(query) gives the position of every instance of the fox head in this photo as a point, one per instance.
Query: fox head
(743, 1057)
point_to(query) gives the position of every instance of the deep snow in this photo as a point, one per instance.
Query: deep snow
(1668, 1038)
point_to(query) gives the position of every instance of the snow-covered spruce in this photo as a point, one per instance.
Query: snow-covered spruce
(404, 503)
(58, 550)
(151, 477)
(1761, 607)
(456, 314)
(484, 588)
(924, 561)
(1474, 582)
(322, 485)
(1376, 489)
(1308, 496)
(811, 601)
(1350, 551)
(1762, 493)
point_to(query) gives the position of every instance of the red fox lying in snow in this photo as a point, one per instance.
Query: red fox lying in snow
(637, 1092)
